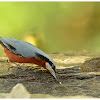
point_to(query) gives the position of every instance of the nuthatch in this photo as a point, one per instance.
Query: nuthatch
(24, 52)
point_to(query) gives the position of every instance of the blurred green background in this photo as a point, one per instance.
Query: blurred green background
(53, 26)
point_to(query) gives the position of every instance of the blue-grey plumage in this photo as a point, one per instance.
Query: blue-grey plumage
(23, 48)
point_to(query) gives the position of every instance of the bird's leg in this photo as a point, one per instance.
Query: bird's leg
(21, 67)
(7, 60)
(17, 66)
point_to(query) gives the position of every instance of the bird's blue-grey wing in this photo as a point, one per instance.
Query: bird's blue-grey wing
(23, 48)
(18, 47)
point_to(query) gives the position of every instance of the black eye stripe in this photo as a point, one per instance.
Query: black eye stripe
(44, 58)
(47, 60)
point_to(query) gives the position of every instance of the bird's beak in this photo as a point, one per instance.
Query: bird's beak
(51, 71)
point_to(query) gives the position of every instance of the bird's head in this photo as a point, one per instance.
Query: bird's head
(49, 65)
(51, 68)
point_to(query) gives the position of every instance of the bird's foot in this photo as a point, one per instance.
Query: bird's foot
(7, 60)
(17, 66)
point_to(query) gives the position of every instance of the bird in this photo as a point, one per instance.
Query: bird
(24, 52)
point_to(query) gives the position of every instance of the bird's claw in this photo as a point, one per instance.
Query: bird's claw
(17, 66)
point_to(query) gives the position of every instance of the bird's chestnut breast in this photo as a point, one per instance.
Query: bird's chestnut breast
(15, 58)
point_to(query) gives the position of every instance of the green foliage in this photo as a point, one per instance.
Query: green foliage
(57, 26)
